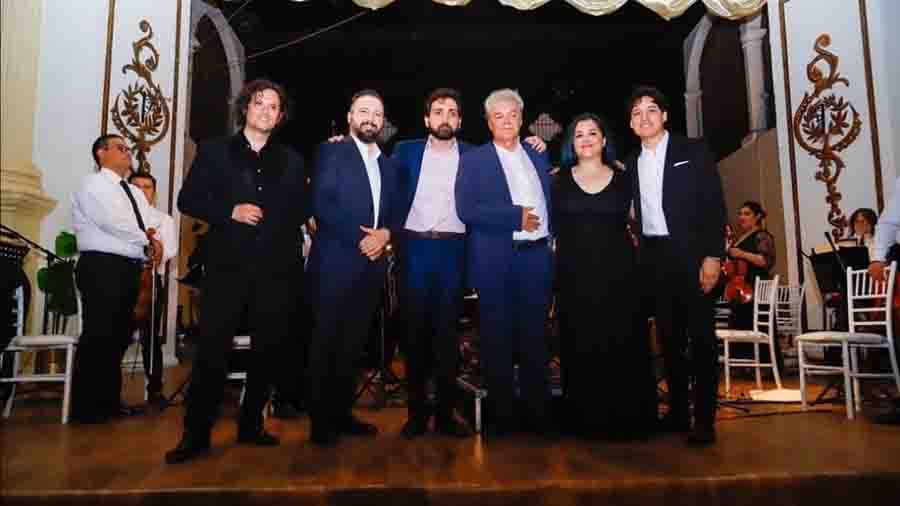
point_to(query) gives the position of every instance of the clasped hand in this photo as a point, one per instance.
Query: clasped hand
(373, 244)
(155, 248)
(249, 214)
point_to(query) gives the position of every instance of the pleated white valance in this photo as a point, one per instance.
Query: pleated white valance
(668, 9)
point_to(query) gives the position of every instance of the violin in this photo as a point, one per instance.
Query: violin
(144, 306)
(737, 289)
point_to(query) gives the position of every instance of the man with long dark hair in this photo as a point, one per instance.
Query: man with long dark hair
(252, 193)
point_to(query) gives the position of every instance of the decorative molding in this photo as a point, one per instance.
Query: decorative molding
(23, 194)
(873, 116)
(110, 24)
(140, 112)
(174, 140)
(792, 156)
(825, 124)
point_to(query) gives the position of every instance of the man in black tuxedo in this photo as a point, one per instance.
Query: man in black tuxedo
(355, 201)
(252, 193)
(681, 212)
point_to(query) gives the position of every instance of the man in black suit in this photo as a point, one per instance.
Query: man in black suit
(356, 204)
(681, 212)
(252, 193)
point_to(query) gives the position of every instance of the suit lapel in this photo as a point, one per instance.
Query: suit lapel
(673, 154)
(415, 169)
(356, 159)
(498, 167)
(383, 170)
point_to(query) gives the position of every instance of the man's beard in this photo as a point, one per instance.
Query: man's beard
(366, 136)
(444, 132)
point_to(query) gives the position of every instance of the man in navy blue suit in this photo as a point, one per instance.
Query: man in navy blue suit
(681, 212)
(503, 197)
(355, 204)
(432, 256)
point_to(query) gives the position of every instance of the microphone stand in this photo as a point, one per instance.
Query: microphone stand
(49, 255)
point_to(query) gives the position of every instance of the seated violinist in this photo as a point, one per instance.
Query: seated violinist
(752, 254)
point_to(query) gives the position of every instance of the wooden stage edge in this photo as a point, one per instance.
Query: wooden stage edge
(772, 456)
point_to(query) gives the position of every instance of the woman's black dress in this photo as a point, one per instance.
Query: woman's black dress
(608, 380)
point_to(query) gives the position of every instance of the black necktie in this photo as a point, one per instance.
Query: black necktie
(134, 206)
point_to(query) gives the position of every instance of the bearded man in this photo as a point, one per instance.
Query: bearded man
(356, 207)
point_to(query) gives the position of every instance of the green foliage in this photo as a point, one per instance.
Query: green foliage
(66, 245)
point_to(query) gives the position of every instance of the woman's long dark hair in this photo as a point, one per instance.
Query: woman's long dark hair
(568, 158)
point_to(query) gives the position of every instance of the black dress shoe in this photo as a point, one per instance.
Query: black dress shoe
(702, 436)
(130, 410)
(353, 426)
(256, 436)
(189, 447)
(454, 427)
(323, 438)
(416, 426)
(674, 424)
(286, 411)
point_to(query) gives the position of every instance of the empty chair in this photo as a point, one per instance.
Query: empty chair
(788, 302)
(22, 343)
(763, 333)
(870, 327)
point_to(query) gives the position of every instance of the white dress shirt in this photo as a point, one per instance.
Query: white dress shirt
(434, 205)
(887, 230)
(524, 188)
(104, 220)
(651, 167)
(166, 234)
(370, 154)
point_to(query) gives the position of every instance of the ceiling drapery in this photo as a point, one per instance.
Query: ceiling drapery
(667, 9)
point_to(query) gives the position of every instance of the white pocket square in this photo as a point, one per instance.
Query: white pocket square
(676, 164)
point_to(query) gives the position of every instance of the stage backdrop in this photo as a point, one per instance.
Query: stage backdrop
(837, 106)
(117, 66)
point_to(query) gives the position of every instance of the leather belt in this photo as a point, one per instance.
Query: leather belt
(434, 235)
(114, 256)
(523, 245)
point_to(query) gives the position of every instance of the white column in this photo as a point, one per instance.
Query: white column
(752, 37)
(693, 101)
(24, 201)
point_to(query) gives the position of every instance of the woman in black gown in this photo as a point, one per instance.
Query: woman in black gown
(608, 383)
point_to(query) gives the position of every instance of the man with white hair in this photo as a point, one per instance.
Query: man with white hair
(503, 197)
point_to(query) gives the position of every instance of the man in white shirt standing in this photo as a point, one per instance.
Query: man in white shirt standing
(152, 335)
(503, 197)
(116, 232)
(681, 211)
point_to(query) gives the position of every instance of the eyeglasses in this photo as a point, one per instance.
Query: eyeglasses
(120, 147)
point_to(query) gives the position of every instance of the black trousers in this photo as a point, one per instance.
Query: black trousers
(269, 300)
(684, 320)
(109, 287)
(343, 320)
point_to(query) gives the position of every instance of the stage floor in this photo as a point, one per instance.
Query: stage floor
(774, 454)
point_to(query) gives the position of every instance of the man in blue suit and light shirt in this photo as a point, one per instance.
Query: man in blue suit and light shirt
(355, 205)
(503, 197)
(432, 255)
